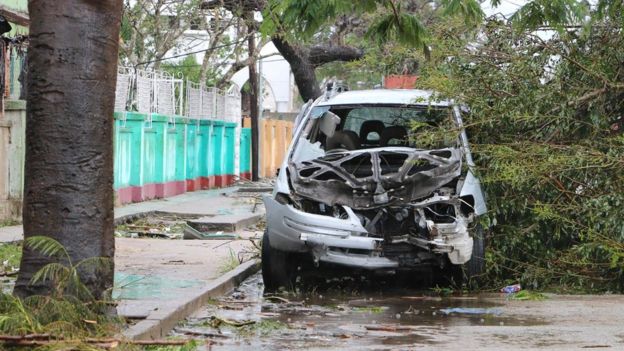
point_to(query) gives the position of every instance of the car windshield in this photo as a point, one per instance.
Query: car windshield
(372, 126)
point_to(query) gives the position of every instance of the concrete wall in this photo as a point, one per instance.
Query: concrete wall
(12, 136)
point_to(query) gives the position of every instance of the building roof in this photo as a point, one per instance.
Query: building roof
(385, 97)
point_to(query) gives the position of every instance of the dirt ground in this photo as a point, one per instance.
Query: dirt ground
(405, 319)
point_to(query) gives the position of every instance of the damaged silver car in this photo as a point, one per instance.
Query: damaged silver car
(375, 180)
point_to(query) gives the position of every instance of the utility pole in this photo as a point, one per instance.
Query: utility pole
(253, 96)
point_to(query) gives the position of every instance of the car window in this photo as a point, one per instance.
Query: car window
(393, 116)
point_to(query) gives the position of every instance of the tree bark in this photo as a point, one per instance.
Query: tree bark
(253, 98)
(302, 68)
(304, 60)
(68, 195)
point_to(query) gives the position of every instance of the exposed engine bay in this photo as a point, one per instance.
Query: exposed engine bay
(357, 191)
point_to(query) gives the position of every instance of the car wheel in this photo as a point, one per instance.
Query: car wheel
(278, 267)
(476, 265)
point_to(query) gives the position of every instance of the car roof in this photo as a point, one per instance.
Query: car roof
(385, 97)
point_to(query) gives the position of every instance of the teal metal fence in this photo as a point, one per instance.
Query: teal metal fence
(159, 156)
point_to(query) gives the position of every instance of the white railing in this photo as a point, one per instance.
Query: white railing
(159, 92)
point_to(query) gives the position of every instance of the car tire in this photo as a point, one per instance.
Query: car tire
(279, 268)
(476, 265)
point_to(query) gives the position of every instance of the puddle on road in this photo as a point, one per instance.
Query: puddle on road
(328, 320)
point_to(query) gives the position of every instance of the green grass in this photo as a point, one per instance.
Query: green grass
(9, 222)
(262, 328)
(191, 346)
(10, 256)
(230, 263)
(370, 309)
(527, 295)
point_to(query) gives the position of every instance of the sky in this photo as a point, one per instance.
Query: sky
(507, 7)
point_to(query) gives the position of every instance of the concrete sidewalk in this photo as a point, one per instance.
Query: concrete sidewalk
(160, 281)
(215, 202)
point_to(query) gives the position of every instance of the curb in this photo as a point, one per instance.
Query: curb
(159, 323)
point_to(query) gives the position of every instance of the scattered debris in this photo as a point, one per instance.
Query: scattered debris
(511, 288)
(389, 328)
(191, 233)
(278, 299)
(422, 298)
(216, 322)
(476, 311)
(207, 334)
(411, 310)
(157, 225)
(255, 189)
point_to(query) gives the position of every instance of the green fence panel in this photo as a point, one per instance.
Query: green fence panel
(158, 156)
(217, 153)
(229, 154)
(193, 145)
(181, 124)
(152, 170)
(245, 152)
(205, 148)
(128, 148)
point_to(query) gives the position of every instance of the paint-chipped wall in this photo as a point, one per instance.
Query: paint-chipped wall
(12, 136)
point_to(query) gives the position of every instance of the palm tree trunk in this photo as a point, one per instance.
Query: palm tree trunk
(72, 62)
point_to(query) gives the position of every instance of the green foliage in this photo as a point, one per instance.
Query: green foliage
(528, 295)
(403, 28)
(188, 68)
(304, 20)
(10, 256)
(69, 312)
(8, 223)
(553, 13)
(64, 275)
(190, 346)
(546, 127)
(230, 262)
(308, 16)
(470, 10)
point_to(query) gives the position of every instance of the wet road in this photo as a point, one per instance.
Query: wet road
(367, 319)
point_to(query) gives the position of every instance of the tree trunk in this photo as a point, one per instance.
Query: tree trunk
(68, 195)
(253, 99)
(302, 69)
(304, 60)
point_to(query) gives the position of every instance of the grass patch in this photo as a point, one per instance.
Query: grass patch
(527, 295)
(191, 346)
(370, 309)
(262, 328)
(9, 223)
(231, 262)
(10, 256)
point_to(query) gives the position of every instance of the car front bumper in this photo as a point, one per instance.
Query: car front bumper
(346, 242)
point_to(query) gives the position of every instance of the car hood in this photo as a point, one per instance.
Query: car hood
(372, 178)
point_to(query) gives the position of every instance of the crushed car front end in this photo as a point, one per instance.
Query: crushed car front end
(374, 207)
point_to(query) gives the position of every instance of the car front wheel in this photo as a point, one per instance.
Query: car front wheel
(279, 268)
